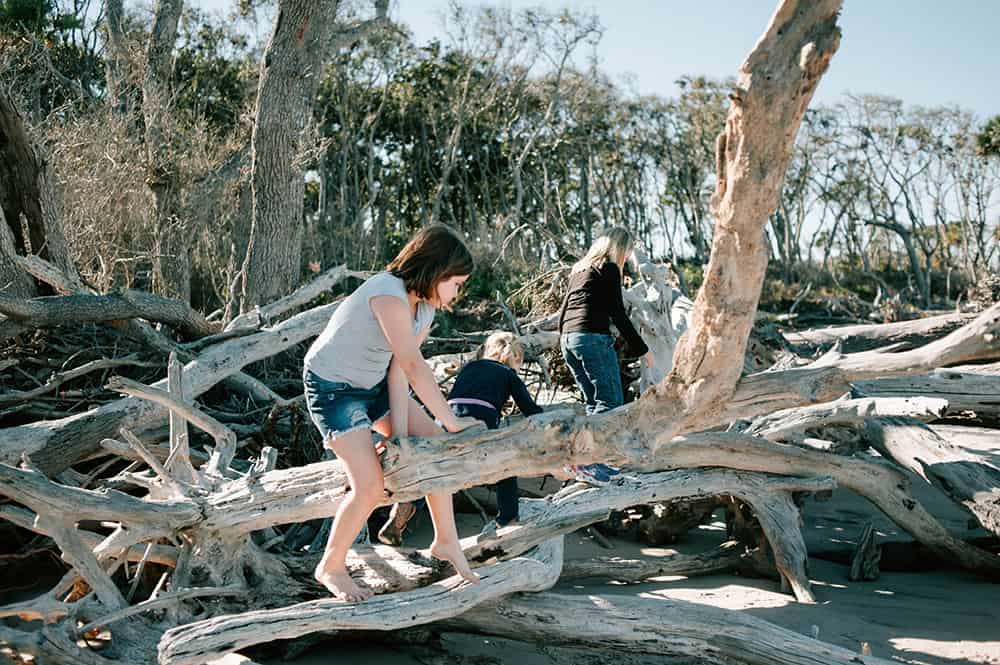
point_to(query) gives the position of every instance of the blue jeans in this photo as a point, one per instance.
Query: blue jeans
(592, 360)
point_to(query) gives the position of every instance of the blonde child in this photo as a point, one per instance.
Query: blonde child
(481, 391)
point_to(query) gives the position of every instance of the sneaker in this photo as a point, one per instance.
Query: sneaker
(597, 475)
(488, 532)
(391, 532)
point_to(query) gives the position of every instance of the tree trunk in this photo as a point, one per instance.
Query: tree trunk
(27, 197)
(290, 72)
(14, 281)
(117, 62)
(774, 87)
(171, 240)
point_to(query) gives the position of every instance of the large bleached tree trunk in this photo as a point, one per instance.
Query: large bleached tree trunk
(773, 89)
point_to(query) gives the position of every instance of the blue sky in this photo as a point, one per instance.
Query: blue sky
(924, 52)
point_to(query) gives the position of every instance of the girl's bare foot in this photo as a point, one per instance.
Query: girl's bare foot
(339, 583)
(452, 553)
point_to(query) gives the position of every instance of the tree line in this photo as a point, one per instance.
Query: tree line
(191, 160)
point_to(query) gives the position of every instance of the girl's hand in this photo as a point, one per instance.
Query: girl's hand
(458, 424)
(649, 359)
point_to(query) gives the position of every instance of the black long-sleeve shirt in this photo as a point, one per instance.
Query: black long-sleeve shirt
(593, 301)
(493, 382)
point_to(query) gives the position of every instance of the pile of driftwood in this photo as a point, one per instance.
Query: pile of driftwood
(179, 554)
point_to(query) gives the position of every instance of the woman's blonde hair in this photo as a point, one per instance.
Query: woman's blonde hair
(614, 245)
(503, 347)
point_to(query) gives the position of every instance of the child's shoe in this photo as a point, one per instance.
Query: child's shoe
(391, 532)
(597, 475)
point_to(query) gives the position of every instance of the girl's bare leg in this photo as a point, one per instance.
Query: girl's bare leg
(445, 546)
(356, 452)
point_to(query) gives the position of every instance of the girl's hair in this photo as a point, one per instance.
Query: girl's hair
(503, 347)
(434, 254)
(614, 245)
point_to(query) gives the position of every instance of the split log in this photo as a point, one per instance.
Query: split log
(835, 374)
(901, 334)
(977, 439)
(730, 556)
(965, 390)
(792, 425)
(965, 477)
(63, 283)
(883, 485)
(577, 505)
(652, 625)
(263, 316)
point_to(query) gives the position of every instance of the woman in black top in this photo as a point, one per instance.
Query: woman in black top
(594, 301)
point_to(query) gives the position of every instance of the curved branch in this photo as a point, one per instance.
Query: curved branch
(50, 311)
(196, 643)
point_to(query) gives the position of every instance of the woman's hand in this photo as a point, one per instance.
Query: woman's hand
(458, 424)
(649, 359)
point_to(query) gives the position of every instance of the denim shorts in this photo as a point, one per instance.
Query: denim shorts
(337, 408)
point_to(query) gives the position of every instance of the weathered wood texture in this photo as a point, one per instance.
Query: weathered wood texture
(652, 625)
(78, 309)
(906, 334)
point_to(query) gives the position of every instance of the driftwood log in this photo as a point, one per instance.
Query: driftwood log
(206, 525)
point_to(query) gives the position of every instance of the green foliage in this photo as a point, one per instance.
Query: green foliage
(489, 279)
(214, 73)
(988, 139)
(35, 17)
(45, 52)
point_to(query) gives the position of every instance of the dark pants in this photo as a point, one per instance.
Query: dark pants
(506, 488)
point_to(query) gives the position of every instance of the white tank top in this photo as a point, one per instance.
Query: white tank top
(352, 348)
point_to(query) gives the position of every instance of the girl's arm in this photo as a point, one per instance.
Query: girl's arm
(521, 396)
(399, 400)
(396, 322)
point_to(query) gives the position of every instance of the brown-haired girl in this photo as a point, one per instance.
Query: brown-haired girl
(357, 376)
